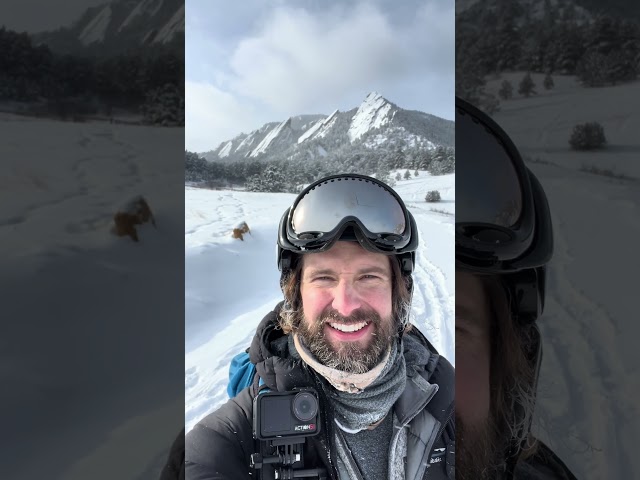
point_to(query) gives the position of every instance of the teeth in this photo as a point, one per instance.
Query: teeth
(354, 327)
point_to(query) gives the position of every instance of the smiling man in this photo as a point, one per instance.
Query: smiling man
(346, 252)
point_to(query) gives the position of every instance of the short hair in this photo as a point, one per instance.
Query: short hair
(291, 312)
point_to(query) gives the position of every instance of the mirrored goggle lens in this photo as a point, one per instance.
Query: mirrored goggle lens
(488, 189)
(323, 208)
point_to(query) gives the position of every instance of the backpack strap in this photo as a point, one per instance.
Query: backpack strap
(258, 386)
(241, 373)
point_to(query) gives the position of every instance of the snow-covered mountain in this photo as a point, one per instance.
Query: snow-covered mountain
(119, 26)
(376, 123)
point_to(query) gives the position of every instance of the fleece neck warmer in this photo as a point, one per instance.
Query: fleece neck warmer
(360, 400)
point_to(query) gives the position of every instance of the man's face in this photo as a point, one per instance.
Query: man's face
(347, 306)
(475, 437)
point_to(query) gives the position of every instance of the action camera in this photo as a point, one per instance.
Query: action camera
(286, 414)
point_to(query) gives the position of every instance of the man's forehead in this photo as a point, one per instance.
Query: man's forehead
(346, 253)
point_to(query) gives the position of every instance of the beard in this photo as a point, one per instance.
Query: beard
(352, 357)
(479, 450)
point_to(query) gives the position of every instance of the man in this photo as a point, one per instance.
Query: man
(346, 252)
(504, 241)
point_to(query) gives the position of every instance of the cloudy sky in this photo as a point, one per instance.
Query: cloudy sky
(253, 61)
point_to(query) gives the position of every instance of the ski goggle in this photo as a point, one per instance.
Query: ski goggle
(500, 208)
(348, 207)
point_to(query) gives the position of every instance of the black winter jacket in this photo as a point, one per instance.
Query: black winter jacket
(220, 445)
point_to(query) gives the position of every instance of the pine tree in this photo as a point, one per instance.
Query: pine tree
(527, 87)
(548, 82)
(592, 69)
(407, 175)
(506, 90)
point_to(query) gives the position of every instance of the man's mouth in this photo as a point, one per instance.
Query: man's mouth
(348, 328)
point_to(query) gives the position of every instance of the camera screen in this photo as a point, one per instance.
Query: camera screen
(278, 420)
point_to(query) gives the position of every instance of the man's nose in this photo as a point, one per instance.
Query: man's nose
(345, 298)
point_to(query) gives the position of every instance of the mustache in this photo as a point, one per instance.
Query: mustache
(330, 314)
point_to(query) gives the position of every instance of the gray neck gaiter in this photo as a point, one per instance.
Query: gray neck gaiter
(355, 411)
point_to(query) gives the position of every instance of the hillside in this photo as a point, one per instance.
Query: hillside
(375, 123)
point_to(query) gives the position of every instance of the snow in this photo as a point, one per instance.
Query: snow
(313, 129)
(226, 149)
(553, 114)
(270, 137)
(230, 284)
(394, 132)
(372, 113)
(247, 141)
(327, 125)
(96, 28)
(151, 7)
(320, 128)
(587, 397)
(172, 27)
(57, 198)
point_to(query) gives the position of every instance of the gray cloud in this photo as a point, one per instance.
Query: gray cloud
(298, 57)
(314, 57)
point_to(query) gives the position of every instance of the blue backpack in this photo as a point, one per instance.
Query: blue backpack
(242, 374)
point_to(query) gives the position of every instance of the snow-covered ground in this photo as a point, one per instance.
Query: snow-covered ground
(231, 284)
(589, 384)
(82, 403)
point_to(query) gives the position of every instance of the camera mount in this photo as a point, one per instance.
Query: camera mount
(282, 421)
(287, 453)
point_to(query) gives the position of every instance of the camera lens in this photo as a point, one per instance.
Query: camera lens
(305, 406)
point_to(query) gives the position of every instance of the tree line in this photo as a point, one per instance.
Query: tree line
(149, 82)
(602, 51)
(289, 175)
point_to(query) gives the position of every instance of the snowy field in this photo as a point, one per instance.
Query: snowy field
(590, 384)
(89, 401)
(230, 284)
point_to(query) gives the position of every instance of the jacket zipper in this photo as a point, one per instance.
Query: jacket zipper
(440, 431)
(405, 422)
(327, 430)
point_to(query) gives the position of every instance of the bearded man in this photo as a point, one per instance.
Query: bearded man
(346, 252)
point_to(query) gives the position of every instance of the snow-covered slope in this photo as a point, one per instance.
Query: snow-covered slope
(144, 7)
(280, 134)
(230, 284)
(83, 402)
(589, 384)
(320, 128)
(118, 26)
(173, 28)
(97, 27)
(226, 149)
(374, 112)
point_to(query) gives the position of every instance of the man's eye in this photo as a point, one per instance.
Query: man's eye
(322, 279)
(370, 277)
